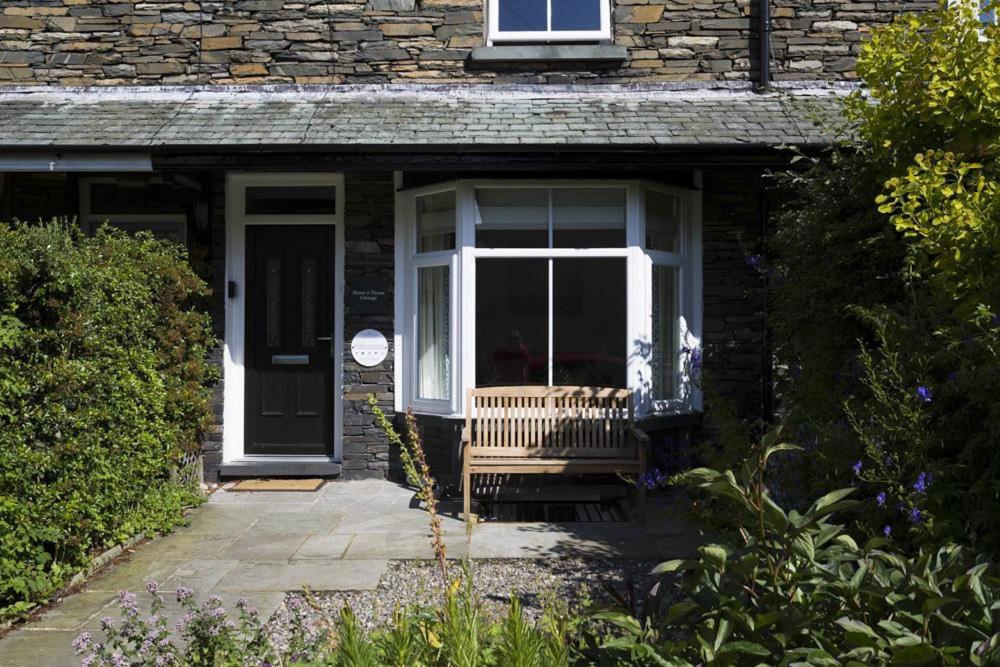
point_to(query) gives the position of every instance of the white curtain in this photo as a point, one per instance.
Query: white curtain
(433, 335)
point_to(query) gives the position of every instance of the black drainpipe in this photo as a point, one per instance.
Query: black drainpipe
(764, 30)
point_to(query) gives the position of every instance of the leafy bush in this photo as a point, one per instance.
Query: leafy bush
(800, 590)
(103, 389)
(887, 289)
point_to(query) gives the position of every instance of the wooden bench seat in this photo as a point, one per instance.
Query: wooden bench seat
(550, 430)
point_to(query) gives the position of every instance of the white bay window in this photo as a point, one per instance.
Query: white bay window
(548, 283)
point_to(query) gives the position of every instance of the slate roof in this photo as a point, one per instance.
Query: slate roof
(411, 116)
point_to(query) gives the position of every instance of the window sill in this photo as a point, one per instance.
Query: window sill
(590, 53)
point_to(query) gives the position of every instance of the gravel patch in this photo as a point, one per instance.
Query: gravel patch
(533, 581)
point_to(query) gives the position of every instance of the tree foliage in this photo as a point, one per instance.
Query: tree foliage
(886, 309)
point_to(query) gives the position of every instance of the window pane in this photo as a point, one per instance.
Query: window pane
(589, 328)
(662, 218)
(135, 197)
(512, 218)
(663, 356)
(512, 332)
(436, 222)
(433, 333)
(291, 200)
(517, 15)
(588, 218)
(576, 14)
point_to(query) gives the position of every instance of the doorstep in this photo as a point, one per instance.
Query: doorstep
(281, 467)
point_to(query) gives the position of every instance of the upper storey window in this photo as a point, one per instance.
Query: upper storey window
(549, 20)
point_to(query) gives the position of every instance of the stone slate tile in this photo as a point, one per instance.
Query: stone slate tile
(413, 116)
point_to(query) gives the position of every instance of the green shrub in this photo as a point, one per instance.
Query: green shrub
(887, 290)
(103, 389)
(800, 590)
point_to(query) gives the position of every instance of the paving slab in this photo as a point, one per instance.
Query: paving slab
(407, 546)
(132, 574)
(223, 519)
(396, 522)
(73, 611)
(297, 523)
(38, 648)
(198, 575)
(185, 546)
(323, 547)
(317, 575)
(253, 546)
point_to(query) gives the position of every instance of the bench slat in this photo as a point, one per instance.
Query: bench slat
(551, 452)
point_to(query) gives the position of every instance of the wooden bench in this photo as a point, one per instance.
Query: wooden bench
(541, 430)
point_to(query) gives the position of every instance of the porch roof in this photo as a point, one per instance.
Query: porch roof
(444, 116)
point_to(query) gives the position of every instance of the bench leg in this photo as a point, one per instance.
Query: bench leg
(467, 493)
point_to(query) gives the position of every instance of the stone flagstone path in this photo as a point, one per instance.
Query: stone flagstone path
(261, 545)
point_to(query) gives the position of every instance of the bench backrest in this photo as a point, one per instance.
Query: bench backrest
(550, 422)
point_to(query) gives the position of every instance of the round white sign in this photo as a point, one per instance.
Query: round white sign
(369, 347)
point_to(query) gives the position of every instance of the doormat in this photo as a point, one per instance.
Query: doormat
(554, 512)
(278, 485)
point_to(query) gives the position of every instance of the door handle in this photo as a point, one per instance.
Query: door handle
(324, 338)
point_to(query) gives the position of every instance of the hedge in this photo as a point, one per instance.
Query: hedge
(104, 386)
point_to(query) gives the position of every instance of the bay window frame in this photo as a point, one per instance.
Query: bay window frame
(639, 264)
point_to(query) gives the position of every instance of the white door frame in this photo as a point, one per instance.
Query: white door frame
(233, 354)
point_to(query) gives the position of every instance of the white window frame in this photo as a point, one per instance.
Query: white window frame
(462, 260)
(237, 220)
(495, 35)
(90, 221)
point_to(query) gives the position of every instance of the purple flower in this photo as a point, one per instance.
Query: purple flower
(856, 467)
(996, 320)
(241, 603)
(924, 394)
(880, 499)
(887, 531)
(118, 660)
(184, 593)
(915, 515)
(152, 587)
(887, 461)
(88, 661)
(107, 622)
(920, 486)
(694, 359)
(81, 643)
(128, 602)
(755, 261)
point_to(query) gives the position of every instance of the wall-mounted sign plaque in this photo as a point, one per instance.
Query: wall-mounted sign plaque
(369, 347)
(368, 297)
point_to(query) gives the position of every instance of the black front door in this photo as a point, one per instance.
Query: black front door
(288, 348)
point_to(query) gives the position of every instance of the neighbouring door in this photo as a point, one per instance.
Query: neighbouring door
(289, 297)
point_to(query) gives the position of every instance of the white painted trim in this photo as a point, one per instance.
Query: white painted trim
(639, 263)
(495, 35)
(233, 353)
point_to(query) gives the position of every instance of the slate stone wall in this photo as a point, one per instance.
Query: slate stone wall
(733, 315)
(369, 228)
(119, 42)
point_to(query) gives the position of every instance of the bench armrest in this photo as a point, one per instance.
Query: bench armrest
(639, 435)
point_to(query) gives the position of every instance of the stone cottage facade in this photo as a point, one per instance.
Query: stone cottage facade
(503, 190)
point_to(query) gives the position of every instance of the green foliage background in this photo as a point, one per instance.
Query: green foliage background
(103, 388)
(887, 288)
